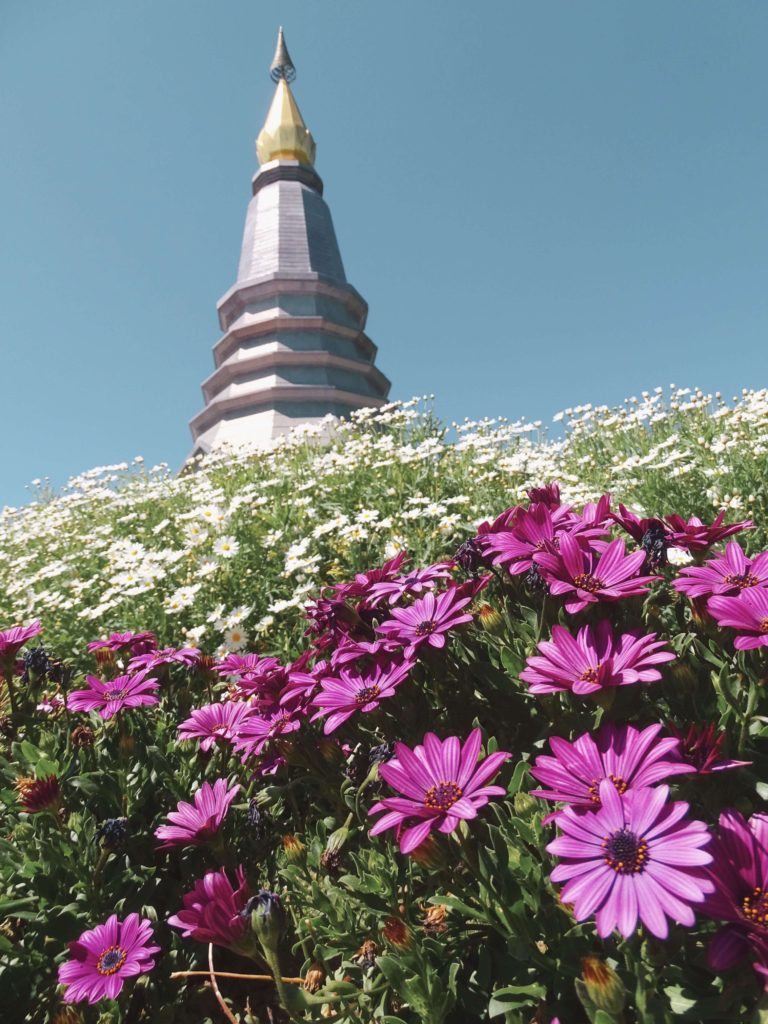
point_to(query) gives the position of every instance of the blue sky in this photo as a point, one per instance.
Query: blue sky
(543, 203)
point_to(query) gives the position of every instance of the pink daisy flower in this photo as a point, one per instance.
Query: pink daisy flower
(727, 575)
(13, 639)
(187, 656)
(427, 620)
(197, 824)
(441, 782)
(356, 650)
(104, 956)
(593, 660)
(256, 732)
(610, 576)
(112, 696)
(698, 536)
(357, 691)
(211, 912)
(528, 532)
(364, 581)
(747, 613)
(634, 857)
(136, 643)
(702, 747)
(214, 722)
(413, 583)
(630, 758)
(547, 494)
(740, 896)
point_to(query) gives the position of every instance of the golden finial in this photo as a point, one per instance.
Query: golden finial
(284, 135)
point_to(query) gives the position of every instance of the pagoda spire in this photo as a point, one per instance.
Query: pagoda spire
(282, 65)
(284, 136)
(294, 348)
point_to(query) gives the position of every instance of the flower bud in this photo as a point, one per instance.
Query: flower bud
(294, 849)
(434, 920)
(267, 918)
(37, 795)
(600, 986)
(397, 933)
(314, 978)
(337, 839)
(490, 619)
(81, 737)
(524, 803)
(430, 854)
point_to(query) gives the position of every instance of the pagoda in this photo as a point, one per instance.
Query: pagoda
(294, 347)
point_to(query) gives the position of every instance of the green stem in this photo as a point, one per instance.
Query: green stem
(11, 696)
(751, 702)
(273, 963)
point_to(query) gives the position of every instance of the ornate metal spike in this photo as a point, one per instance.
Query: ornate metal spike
(282, 65)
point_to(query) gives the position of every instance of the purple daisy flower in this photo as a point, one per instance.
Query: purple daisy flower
(13, 639)
(112, 696)
(628, 757)
(136, 643)
(187, 656)
(364, 581)
(747, 613)
(740, 897)
(725, 576)
(256, 732)
(442, 783)
(638, 528)
(548, 494)
(197, 824)
(211, 912)
(610, 576)
(593, 660)
(427, 620)
(357, 690)
(695, 535)
(414, 582)
(528, 532)
(634, 857)
(702, 746)
(355, 650)
(214, 722)
(104, 956)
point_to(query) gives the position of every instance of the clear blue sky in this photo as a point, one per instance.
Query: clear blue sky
(543, 203)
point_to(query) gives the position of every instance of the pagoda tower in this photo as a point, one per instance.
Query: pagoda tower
(294, 347)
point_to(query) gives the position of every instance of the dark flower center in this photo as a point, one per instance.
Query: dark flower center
(366, 694)
(619, 783)
(625, 852)
(118, 694)
(442, 796)
(755, 906)
(764, 626)
(111, 960)
(586, 581)
(590, 675)
(746, 579)
(426, 627)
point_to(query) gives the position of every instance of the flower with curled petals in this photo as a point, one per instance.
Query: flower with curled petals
(198, 823)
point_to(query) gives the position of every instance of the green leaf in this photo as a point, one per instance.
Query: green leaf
(505, 999)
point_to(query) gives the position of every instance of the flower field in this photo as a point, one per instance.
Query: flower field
(426, 724)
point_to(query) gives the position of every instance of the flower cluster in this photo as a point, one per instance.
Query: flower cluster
(438, 762)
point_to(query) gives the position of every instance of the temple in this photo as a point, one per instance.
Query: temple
(294, 347)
